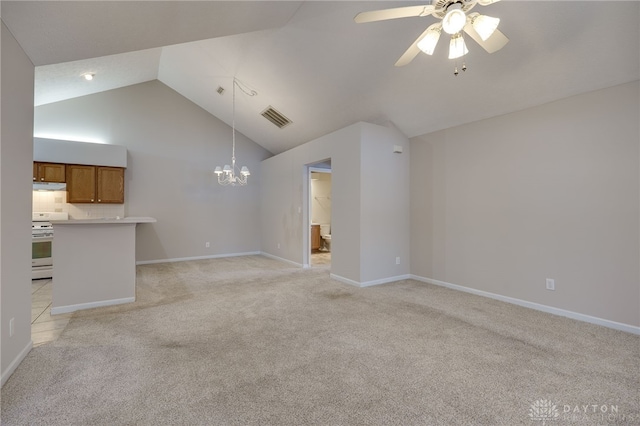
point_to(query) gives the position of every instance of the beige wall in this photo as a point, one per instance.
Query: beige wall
(550, 192)
(284, 201)
(369, 201)
(384, 204)
(16, 153)
(321, 198)
(173, 147)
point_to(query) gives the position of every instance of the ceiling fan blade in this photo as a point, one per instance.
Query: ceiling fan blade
(398, 12)
(413, 50)
(494, 43)
(487, 2)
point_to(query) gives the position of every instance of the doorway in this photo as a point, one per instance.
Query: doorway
(320, 214)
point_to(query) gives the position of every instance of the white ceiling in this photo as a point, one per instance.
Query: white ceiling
(311, 62)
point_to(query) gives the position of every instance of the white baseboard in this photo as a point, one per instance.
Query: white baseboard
(385, 280)
(16, 362)
(72, 308)
(537, 306)
(184, 259)
(282, 259)
(344, 280)
(370, 283)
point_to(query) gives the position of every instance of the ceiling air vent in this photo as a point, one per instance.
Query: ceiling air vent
(275, 117)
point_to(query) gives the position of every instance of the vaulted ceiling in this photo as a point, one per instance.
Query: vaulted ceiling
(312, 63)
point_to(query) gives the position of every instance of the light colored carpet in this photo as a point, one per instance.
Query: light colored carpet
(251, 340)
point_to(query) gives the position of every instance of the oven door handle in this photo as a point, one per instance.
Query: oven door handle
(46, 239)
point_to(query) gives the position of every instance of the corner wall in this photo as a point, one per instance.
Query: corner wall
(384, 205)
(369, 185)
(16, 154)
(502, 204)
(284, 200)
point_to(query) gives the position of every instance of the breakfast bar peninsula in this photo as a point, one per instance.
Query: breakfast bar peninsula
(94, 263)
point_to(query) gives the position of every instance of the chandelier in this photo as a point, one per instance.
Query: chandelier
(231, 174)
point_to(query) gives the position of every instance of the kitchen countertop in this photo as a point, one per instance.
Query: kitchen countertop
(106, 220)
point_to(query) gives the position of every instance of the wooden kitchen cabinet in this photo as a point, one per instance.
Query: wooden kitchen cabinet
(81, 184)
(49, 172)
(315, 237)
(110, 185)
(95, 184)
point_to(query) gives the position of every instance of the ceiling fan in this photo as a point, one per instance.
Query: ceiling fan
(454, 19)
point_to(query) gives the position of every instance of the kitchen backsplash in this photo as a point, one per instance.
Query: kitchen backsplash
(56, 201)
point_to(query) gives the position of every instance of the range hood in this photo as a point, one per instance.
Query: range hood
(49, 186)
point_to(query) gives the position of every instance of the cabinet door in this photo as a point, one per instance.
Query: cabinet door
(315, 237)
(51, 172)
(110, 185)
(81, 184)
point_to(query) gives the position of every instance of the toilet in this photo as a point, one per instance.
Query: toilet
(325, 234)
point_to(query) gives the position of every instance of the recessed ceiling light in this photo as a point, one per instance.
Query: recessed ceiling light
(88, 76)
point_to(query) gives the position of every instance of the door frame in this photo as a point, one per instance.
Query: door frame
(306, 222)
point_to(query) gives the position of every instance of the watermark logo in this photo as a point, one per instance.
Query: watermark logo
(543, 410)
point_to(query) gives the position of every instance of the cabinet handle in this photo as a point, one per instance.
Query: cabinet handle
(99, 200)
(92, 200)
(34, 178)
(42, 179)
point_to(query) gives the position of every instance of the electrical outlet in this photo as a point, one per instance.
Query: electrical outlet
(397, 260)
(11, 327)
(207, 245)
(278, 245)
(551, 284)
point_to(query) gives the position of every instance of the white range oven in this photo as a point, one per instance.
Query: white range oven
(42, 243)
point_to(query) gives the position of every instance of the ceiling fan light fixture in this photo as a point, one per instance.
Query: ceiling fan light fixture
(428, 42)
(455, 17)
(485, 26)
(457, 47)
(454, 21)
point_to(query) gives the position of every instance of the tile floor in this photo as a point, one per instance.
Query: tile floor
(44, 327)
(320, 258)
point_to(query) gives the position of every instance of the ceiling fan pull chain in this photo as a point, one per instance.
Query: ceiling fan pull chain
(455, 69)
(464, 65)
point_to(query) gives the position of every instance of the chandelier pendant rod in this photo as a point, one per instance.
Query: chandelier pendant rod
(233, 127)
(227, 175)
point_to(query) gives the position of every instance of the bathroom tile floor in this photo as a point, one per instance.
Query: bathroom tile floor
(320, 258)
(44, 327)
